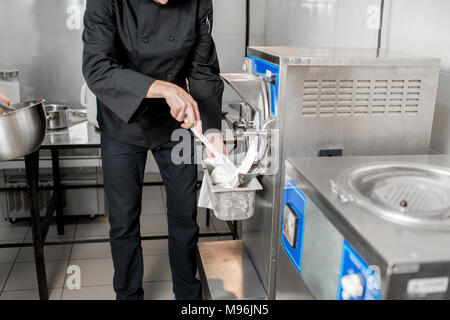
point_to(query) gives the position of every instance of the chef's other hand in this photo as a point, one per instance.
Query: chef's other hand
(181, 103)
(216, 140)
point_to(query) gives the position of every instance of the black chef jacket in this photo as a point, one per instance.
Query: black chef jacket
(129, 44)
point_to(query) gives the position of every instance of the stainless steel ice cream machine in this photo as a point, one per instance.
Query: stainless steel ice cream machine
(315, 107)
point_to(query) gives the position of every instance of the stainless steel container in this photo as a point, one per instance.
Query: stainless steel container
(232, 204)
(22, 130)
(57, 116)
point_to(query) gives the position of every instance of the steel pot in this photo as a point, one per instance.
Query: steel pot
(22, 129)
(57, 116)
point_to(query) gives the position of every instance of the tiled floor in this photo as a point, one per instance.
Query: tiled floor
(17, 270)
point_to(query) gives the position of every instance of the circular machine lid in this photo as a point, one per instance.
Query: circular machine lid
(407, 193)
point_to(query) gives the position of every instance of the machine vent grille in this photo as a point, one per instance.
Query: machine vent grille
(345, 98)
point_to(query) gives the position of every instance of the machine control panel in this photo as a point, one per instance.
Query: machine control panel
(270, 70)
(358, 280)
(292, 224)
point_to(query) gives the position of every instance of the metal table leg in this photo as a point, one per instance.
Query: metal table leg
(57, 191)
(208, 217)
(32, 171)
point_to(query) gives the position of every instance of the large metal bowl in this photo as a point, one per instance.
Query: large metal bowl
(22, 130)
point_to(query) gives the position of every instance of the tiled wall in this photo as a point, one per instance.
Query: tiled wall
(229, 36)
(415, 26)
(318, 23)
(423, 27)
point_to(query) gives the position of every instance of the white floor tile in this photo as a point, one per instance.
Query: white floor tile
(92, 229)
(157, 268)
(155, 247)
(51, 253)
(5, 269)
(52, 235)
(91, 251)
(90, 293)
(154, 225)
(13, 231)
(23, 276)
(54, 294)
(95, 272)
(8, 254)
(158, 290)
(153, 201)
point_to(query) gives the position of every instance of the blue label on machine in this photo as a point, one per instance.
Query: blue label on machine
(358, 280)
(265, 68)
(292, 223)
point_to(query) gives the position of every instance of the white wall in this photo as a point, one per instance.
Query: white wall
(229, 36)
(423, 27)
(314, 23)
(416, 26)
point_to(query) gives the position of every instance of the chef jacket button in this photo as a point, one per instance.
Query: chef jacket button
(171, 38)
(145, 39)
(169, 76)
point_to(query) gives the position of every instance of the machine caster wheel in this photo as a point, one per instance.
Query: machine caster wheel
(12, 220)
(93, 216)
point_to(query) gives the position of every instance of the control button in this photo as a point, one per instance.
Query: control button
(352, 286)
(145, 39)
(171, 38)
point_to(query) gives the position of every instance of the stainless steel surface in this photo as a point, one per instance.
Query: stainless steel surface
(320, 271)
(407, 193)
(354, 101)
(22, 131)
(57, 116)
(403, 255)
(247, 85)
(412, 245)
(14, 204)
(82, 134)
(361, 110)
(289, 285)
(229, 275)
(301, 56)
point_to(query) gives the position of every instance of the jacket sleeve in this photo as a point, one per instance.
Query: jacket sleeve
(205, 84)
(119, 88)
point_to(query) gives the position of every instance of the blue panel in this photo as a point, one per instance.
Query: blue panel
(352, 263)
(294, 200)
(263, 68)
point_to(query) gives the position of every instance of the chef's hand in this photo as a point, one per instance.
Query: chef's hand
(4, 100)
(216, 140)
(181, 103)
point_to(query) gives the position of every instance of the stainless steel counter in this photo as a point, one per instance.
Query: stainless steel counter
(82, 134)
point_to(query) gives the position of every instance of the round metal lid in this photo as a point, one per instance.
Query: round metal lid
(407, 193)
(7, 74)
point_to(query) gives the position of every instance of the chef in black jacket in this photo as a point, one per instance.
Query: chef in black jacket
(138, 56)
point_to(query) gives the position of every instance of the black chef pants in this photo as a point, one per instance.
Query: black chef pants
(123, 170)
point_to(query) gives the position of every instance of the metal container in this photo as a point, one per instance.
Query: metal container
(57, 116)
(232, 204)
(22, 130)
